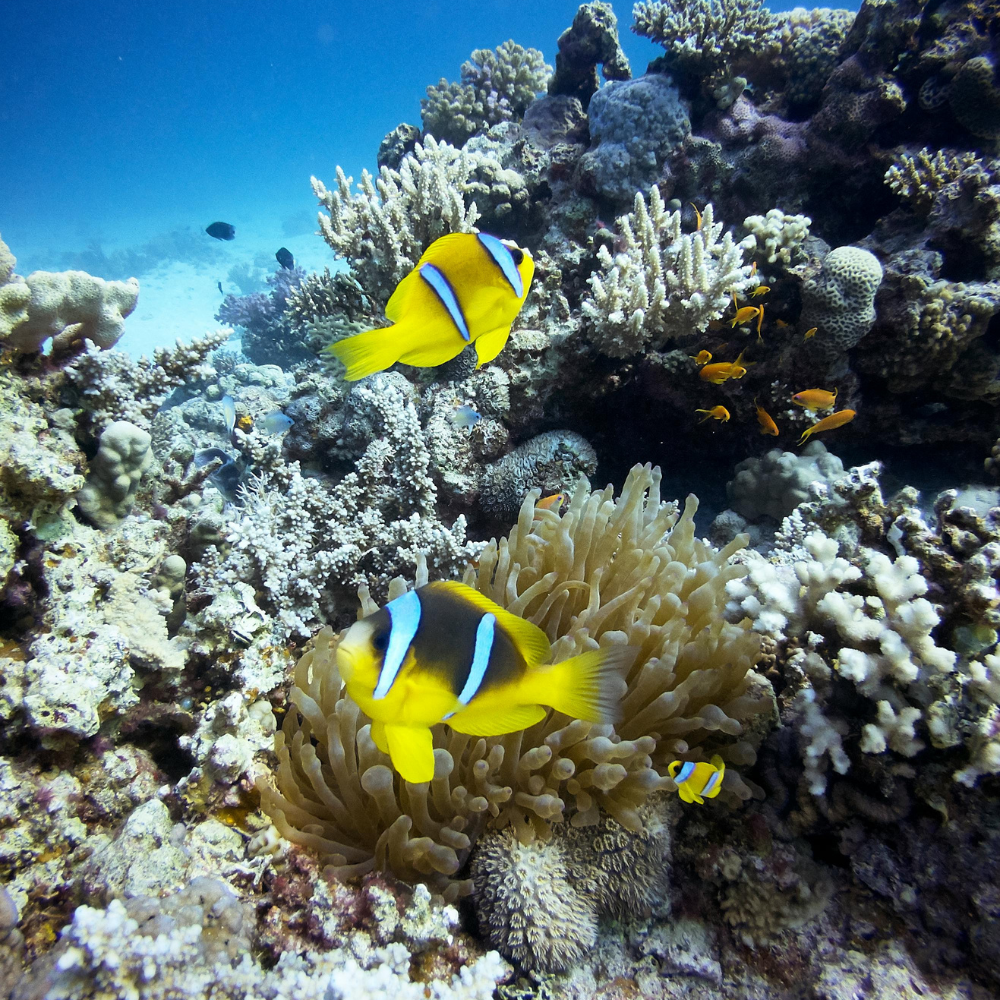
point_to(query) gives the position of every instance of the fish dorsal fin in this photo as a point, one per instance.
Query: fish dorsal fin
(531, 642)
(396, 305)
(445, 248)
(493, 723)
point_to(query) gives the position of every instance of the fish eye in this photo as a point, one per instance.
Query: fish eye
(380, 641)
(518, 254)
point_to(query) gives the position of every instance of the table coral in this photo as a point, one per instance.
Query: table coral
(662, 284)
(497, 85)
(337, 794)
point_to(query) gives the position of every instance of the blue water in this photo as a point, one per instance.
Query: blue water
(127, 127)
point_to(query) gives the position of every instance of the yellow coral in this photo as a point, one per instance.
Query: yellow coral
(626, 571)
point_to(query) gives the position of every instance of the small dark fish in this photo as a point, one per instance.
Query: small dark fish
(221, 231)
(285, 258)
(221, 292)
(208, 455)
(226, 479)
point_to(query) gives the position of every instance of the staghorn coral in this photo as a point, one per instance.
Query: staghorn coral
(777, 236)
(663, 284)
(497, 85)
(628, 571)
(383, 228)
(705, 38)
(920, 177)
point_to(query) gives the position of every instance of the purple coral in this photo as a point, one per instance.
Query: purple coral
(257, 311)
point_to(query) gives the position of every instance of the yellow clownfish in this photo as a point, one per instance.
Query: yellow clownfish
(697, 782)
(446, 653)
(467, 288)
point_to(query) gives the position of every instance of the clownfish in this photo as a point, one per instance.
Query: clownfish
(815, 399)
(829, 423)
(446, 653)
(697, 782)
(467, 288)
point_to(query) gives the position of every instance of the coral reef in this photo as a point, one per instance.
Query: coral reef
(591, 40)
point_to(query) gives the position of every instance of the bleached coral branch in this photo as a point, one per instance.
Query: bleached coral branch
(663, 283)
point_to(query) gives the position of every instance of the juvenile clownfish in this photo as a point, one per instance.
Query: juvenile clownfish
(767, 424)
(467, 288)
(815, 399)
(829, 423)
(446, 653)
(701, 358)
(744, 315)
(697, 782)
(760, 290)
(553, 502)
(715, 413)
(811, 332)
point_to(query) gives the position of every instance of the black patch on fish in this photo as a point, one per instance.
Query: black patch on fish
(445, 642)
(285, 258)
(517, 253)
(221, 231)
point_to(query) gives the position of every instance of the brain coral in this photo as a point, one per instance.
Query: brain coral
(840, 301)
(626, 571)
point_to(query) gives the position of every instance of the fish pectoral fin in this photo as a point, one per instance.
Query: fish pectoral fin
(378, 735)
(399, 299)
(367, 353)
(490, 344)
(412, 752)
(429, 353)
(494, 723)
(531, 642)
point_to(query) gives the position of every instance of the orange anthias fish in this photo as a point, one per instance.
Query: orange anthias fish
(722, 370)
(753, 269)
(815, 399)
(697, 215)
(697, 782)
(829, 423)
(744, 315)
(553, 502)
(760, 290)
(780, 323)
(701, 358)
(715, 413)
(760, 320)
(811, 332)
(767, 425)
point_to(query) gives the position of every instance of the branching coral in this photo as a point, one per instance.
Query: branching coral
(625, 572)
(777, 236)
(383, 228)
(663, 283)
(705, 38)
(810, 41)
(920, 177)
(497, 85)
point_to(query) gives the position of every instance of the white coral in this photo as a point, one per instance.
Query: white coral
(663, 283)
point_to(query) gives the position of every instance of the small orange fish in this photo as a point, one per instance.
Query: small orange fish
(697, 215)
(760, 290)
(767, 425)
(753, 269)
(716, 413)
(780, 323)
(760, 320)
(829, 423)
(722, 370)
(716, 325)
(736, 301)
(701, 358)
(553, 502)
(815, 399)
(744, 315)
(697, 782)
(810, 332)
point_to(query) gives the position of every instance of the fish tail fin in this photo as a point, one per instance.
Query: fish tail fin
(368, 352)
(590, 686)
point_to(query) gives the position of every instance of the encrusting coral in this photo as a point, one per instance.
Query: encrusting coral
(627, 571)
(662, 284)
